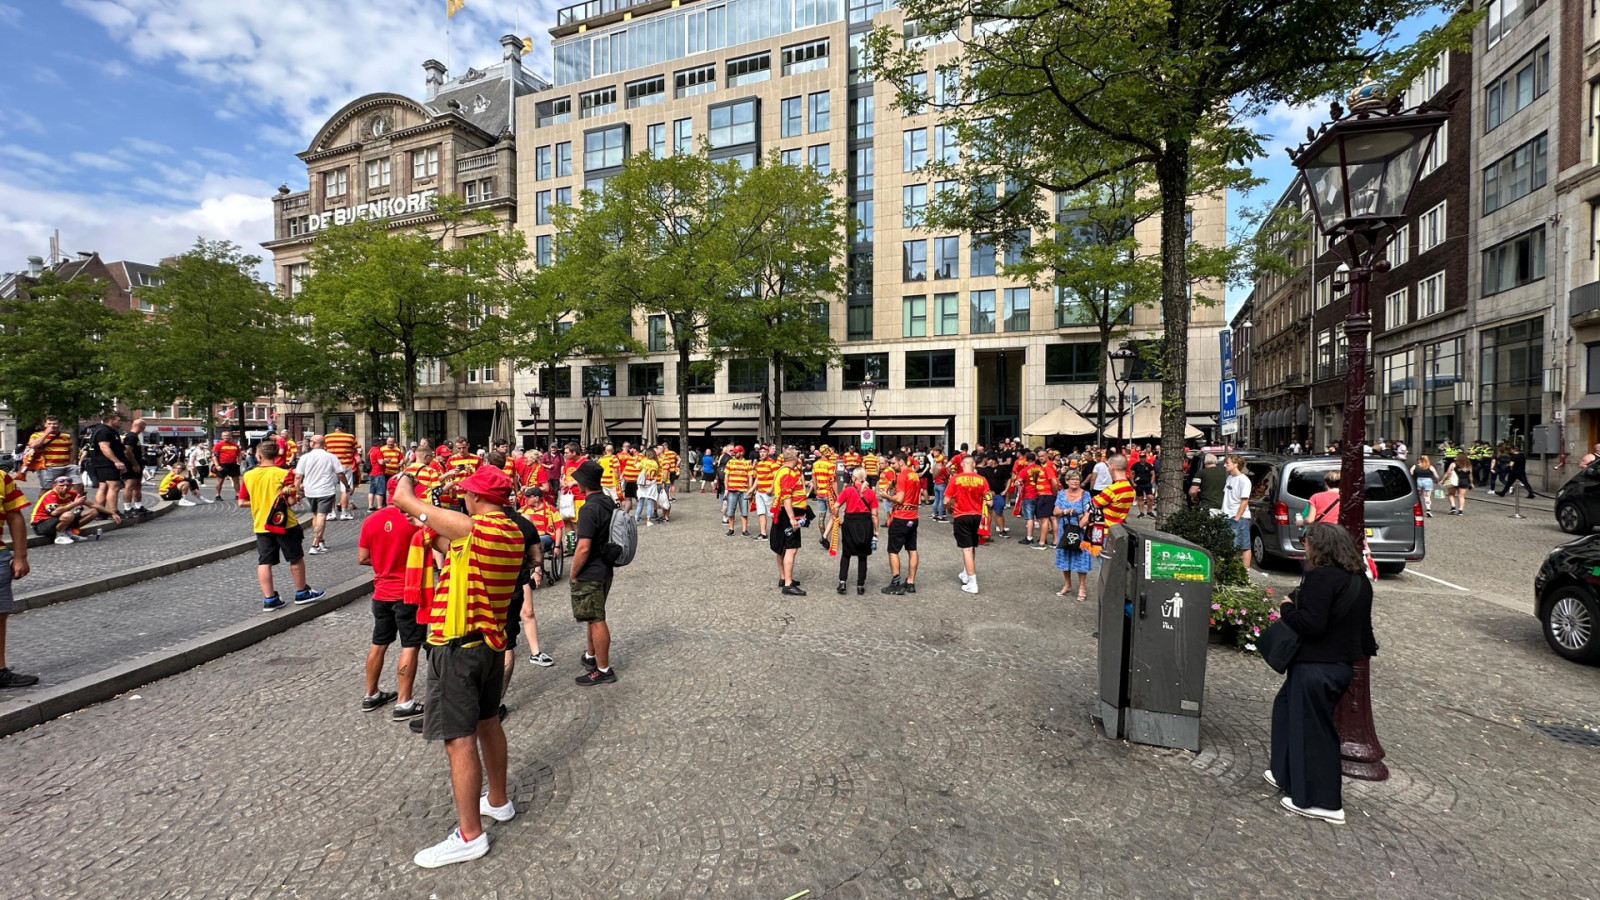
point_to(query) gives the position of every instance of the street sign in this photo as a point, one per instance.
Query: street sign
(1225, 338)
(1228, 418)
(867, 441)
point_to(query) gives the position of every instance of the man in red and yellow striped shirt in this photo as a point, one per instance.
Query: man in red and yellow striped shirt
(13, 566)
(738, 476)
(1116, 500)
(766, 473)
(342, 444)
(466, 636)
(50, 452)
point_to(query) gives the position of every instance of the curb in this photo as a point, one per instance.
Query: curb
(94, 586)
(40, 706)
(156, 511)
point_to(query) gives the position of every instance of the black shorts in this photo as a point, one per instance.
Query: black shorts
(226, 470)
(776, 539)
(965, 529)
(172, 495)
(391, 618)
(463, 689)
(631, 490)
(99, 475)
(902, 535)
(269, 546)
(46, 527)
(1143, 488)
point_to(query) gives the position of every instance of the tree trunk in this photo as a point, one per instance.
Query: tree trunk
(1172, 177)
(1105, 370)
(552, 407)
(683, 393)
(776, 397)
(408, 405)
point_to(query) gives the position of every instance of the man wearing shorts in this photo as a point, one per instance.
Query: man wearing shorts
(466, 652)
(738, 478)
(590, 575)
(377, 479)
(1236, 505)
(260, 489)
(13, 566)
(789, 496)
(50, 453)
(133, 484)
(61, 511)
(384, 544)
(963, 497)
(765, 478)
(904, 487)
(320, 478)
(104, 462)
(342, 444)
(177, 486)
(1144, 486)
(225, 461)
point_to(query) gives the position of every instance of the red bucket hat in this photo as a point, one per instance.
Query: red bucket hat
(490, 483)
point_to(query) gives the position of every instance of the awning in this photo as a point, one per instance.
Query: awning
(1144, 424)
(1059, 421)
(1587, 401)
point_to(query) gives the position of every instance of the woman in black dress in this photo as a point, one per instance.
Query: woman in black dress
(1331, 612)
(856, 508)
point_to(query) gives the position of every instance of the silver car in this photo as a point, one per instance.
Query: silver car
(1282, 486)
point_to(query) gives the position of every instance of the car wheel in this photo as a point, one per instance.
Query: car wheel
(1258, 550)
(1391, 568)
(1570, 619)
(1570, 517)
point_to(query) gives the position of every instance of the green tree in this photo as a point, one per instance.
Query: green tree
(1059, 95)
(411, 295)
(218, 334)
(53, 351)
(791, 269)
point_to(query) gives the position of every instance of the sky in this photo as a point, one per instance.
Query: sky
(137, 126)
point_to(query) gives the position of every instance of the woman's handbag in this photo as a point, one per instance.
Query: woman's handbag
(1071, 535)
(1278, 644)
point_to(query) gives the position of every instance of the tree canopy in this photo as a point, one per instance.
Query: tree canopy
(55, 343)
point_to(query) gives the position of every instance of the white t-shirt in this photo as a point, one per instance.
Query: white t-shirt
(319, 473)
(1236, 491)
(1102, 476)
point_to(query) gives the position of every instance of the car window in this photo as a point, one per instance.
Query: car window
(1260, 475)
(1383, 482)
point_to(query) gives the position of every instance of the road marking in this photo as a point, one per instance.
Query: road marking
(1439, 581)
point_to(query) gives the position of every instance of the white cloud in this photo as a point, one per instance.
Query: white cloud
(99, 161)
(305, 60)
(115, 68)
(1285, 126)
(26, 156)
(45, 75)
(149, 148)
(10, 15)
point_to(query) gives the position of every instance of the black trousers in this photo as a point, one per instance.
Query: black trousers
(1305, 745)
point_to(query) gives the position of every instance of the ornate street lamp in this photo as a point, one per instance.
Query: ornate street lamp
(1121, 360)
(869, 392)
(533, 398)
(1360, 170)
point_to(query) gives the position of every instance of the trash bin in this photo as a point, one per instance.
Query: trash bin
(1155, 606)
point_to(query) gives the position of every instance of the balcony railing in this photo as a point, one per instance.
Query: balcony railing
(1585, 298)
(579, 12)
(477, 161)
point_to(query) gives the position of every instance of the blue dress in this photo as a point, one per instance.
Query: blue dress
(1079, 560)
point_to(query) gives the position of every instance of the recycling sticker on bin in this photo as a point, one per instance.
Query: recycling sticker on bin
(1169, 562)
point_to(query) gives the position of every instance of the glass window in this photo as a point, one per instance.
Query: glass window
(541, 250)
(733, 124)
(858, 367)
(945, 147)
(682, 135)
(597, 102)
(541, 163)
(1430, 295)
(646, 379)
(1505, 15)
(1071, 363)
(563, 159)
(817, 158)
(1591, 375)
(1438, 154)
(746, 376)
(982, 318)
(863, 169)
(425, 162)
(983, 255)
(861, 117)
(821, 107)
(1511, 375)
(336, 183)
(930, 368)
(1431, 228)
(864, 10)
(914, 99)
(1517, 174)
(946, 314)
(647, 92)
(914, 316)
(600, 381)
(556, 382)
(656, 333)
(858, 319)
(1399, 249)
(792, 157)
(1015, 246)
(563, 196)
(789, 117)
(1527, 80)
(1514, 263)
(914, 205)
(807, 57)
(655, 139)
(703, 377)
(947, 87)
(1016, 310)
(1396, 307)
(552, 112)
(690, 82)
(947, 257)
(914, 260)
(798, 376)
(861, 214)
(379, 173)
(605, 148)
(913, 149)
(749, 69)
(541, 208)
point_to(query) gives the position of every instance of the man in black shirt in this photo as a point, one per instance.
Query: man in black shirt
(133, 485)
(998, 475)
(1515, 468)
(1144, 485)
(104, 461)
(591, 574)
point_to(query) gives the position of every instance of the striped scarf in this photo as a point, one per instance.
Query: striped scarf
(417, 589)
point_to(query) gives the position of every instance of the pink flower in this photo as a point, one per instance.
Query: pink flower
(1216, 606)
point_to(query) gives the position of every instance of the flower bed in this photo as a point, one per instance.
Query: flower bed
(1245, 610)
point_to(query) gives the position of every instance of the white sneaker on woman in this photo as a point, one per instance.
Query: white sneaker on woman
(452, 849)
(1335, 816)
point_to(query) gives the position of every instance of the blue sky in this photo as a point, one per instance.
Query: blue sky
(135, 126)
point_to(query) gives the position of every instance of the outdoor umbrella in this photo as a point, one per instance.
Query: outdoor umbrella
(647, 422)
(1143, 423)
(594, 424)
(1061, 420)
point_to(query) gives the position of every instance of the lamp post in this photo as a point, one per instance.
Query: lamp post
(1360, 170)
(533, 398)
(869, 392)
(1120, 360)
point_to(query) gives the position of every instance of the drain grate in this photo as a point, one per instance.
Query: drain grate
(1569, 734)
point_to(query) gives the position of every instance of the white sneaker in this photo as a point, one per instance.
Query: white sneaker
(185, 502)
(206, 500)
(498, 813)
(452, 849)
(963, 576)
(63, 539)
(1269, 779)
(971, 586)
(1334, 816)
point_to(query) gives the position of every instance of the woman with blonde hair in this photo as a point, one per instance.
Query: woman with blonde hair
(1426, 477)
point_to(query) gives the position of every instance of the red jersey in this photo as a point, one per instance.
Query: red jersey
(387, 534)
(375, 466)
(226, 453)
(964, 494)
(50, 501)
(909, 488)
(1028, 476)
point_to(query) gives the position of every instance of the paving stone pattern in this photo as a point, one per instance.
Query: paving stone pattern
(936, 745)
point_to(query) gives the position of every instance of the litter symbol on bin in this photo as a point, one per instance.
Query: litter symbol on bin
(1171, 609)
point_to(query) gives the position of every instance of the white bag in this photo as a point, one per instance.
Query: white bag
(567, 506)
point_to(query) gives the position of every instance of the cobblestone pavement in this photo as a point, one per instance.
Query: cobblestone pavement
(936, 745)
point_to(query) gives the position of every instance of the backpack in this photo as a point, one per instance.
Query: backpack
(621, 540)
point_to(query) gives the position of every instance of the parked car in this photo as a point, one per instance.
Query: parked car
(1567, 599)
(8, 462)
(1282, 485)
(1578, 501)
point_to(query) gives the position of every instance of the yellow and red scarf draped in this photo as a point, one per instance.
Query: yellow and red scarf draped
(983, 518)
(418, 586)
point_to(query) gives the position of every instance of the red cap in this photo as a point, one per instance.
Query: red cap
(490, 483)
(738, 448)
(443, 450)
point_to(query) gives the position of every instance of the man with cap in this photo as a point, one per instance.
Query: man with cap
(466, 642)
(738, 478)
(590, 575)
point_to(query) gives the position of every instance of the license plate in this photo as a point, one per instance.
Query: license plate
(1369, 532)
